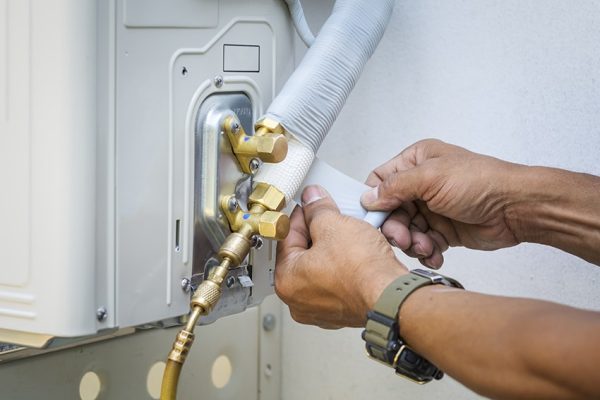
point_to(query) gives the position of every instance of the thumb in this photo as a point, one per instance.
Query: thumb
(395, 189)
(317, 203)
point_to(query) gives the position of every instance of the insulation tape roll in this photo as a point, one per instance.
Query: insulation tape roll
(344, 190)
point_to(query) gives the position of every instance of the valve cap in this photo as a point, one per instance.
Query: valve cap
(274, 225)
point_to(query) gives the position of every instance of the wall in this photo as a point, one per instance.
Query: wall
(519, 80)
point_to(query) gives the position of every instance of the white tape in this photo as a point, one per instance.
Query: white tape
(344, 190)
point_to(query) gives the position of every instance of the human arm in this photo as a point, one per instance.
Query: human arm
(444, 195)
(331, 269)
(506, 348)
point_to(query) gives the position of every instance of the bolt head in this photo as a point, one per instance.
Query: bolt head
(101, 314)
(257, 242)
(254, 164)
(235, 127)
(232, 204)
(218, 81)
(186, 285)
(230, 281)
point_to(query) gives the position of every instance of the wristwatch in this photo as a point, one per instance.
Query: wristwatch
(381, 334)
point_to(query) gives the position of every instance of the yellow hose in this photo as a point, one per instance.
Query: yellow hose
(168, 389)
(204, 298)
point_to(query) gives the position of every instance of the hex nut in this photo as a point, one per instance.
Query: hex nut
(270, 125)
(267, 196)
(272, 148)
(274, 225)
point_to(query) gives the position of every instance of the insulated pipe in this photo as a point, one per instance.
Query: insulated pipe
(300, 23)
(314, 95)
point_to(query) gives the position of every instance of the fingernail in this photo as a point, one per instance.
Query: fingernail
(370, 196)
(419, 250)
(312, 193)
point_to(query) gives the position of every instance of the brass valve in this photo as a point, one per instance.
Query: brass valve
(267, 196)
(268, 144)
(270, 224)
(263, 217)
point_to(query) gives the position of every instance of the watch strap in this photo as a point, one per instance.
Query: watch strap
(381, 333)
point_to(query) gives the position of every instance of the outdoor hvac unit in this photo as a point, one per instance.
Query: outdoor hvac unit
(112, 158)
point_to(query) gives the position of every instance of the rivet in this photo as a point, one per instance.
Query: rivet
(269, 322)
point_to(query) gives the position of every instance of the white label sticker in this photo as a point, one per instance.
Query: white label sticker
(245, 281)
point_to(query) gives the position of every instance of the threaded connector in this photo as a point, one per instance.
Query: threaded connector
(206, 296)
(181, 347)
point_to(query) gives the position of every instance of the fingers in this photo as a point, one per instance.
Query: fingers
(298, 238)
(396, 189)
(395, 229)
(411, 157)
(409, 230)
(317, 204)
(407, 176)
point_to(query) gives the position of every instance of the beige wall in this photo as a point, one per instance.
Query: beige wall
(515, 79)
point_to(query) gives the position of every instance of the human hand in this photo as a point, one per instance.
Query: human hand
(443, 195)
(332, 268)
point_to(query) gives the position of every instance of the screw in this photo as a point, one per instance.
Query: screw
(257, 242)
(232, 204)
(235, 127)
(101, 314)
(186, 285)
(269, 322)
(184, 71)
(230, 281)
(218, 81)
(254, 164)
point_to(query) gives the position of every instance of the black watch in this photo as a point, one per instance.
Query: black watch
(381, 334)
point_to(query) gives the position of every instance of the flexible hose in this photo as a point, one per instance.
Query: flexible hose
(299, 19)
(314, 95)
(168, 389)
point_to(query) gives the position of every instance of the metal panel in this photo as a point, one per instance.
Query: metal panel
(47, 166)
(123, 364)
(162, 77)
(171, 13)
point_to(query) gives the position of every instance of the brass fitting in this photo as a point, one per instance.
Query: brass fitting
(236, 247)
(268, 125)
(258, 220)
(181, 347)
(267, 145)
(267, 196)
(209, 291)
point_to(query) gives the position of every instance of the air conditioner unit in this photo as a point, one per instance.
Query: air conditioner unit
(112, 158)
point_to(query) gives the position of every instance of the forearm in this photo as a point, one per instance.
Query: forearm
(503, 347)
(557, 208)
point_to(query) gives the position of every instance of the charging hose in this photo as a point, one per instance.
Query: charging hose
(203, 300)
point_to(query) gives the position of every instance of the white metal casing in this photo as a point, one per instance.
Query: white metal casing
(93, 155)
(47, 166)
